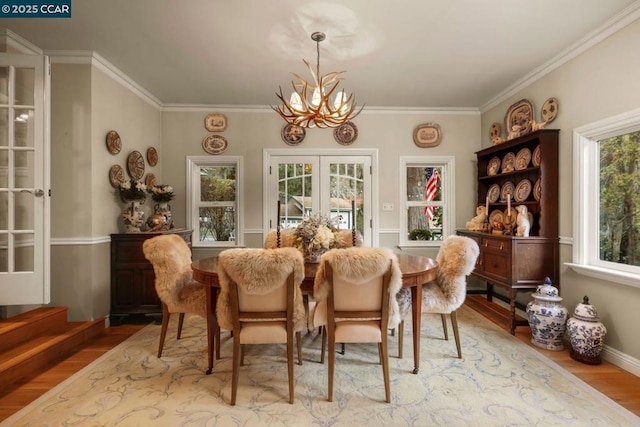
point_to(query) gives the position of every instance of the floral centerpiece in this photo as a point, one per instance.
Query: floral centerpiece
(132, 190)
(315, 235)
(161, 193)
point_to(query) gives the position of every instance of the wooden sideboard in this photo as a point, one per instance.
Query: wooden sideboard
(132, 278)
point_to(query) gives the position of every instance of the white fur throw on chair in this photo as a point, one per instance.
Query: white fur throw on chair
(359, 265)
(260, 271)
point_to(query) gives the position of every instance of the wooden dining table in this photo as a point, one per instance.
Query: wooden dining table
(416, 270)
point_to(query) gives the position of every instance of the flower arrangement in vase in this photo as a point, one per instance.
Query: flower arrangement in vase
(132, 190)
(315, 235)
(162, 195)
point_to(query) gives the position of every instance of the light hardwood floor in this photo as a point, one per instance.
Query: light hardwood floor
(621, 386)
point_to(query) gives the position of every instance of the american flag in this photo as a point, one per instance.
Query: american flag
(430, 191)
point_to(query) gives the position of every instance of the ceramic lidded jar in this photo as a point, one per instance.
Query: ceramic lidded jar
(586, 333)
(547, 317)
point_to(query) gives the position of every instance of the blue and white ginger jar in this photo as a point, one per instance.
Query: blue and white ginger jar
(586, 334)
(547, 317)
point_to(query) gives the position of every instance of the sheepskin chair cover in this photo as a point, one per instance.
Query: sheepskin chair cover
(259, 271)
(358, 265)
(171, 259)
(456, 260)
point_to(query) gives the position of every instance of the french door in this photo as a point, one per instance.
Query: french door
(336, 185)
(24, 166)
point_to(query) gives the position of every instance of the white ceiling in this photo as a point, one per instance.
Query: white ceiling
(403, 53)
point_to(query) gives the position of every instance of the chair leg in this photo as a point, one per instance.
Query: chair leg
(456, 334)
(235, 369)
(290, 364)
(163, 330)
(444, 326)
(343, 349)
(384, 350)
(241, 354)
(400, 338)
(180, 322)
(299, 343)
(324, 343)
(332, 362)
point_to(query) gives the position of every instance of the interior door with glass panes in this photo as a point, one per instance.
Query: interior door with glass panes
(24, 207)
(337, 186)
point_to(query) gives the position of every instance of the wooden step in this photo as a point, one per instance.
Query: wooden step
(40, 338)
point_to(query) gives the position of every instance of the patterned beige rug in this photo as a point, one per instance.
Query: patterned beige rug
(499, 382)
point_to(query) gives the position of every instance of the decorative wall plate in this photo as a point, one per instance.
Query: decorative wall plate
(495, 131)
(523, 158)
(427, 135)
(293, 134)
(150, 180)
(135, 165)
(114, 143)
(519, 114)
(522, 191)
(506, 191)
(493, 193)
(496, 216)
(152, 156)
(536, 156)
(549, 110)
(215, 122)
(509, 163)
(537, 190)
(346, 133)
(215, 144)
(116, 176)
(493, 166)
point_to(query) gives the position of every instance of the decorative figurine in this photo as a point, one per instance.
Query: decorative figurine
(478, 222)
(522, 221)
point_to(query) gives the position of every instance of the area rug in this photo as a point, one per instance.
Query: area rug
(499, 382)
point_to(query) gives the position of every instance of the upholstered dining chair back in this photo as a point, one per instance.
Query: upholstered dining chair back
(355, 289)
(179, 293)
(456, 260)
(261, 302)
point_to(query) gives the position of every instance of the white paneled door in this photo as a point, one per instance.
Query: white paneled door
(335, 185)
(24, 166)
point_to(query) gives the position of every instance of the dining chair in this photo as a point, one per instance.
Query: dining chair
(355, 290)
(260, 301)
(456, 260)
(179, 293)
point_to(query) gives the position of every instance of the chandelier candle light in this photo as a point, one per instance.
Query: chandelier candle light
(318, 110)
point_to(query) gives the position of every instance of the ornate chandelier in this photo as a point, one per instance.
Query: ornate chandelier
(310, 104)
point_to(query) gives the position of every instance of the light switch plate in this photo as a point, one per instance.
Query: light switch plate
(387, 207)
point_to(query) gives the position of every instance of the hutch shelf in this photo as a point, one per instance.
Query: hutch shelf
(519, 263)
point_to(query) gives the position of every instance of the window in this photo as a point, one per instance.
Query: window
(427, 199)
(607, 199)
(213, 195)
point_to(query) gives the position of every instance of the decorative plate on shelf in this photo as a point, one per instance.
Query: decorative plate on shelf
(215, 122)
(152, 156)
(427, 135)
(135, 165)
(493, 193)
(549, 110)
(214, 144)
(114, 143)
(346, 133)
(523, 158)
(509, 163)
(522, 191)
(496, 216)
(493, 166)
(150, 180)
(495, 131)
(116, 176)
(506, 191)
(519, 114)
(293, 134)
(536, 156)
(537, 190)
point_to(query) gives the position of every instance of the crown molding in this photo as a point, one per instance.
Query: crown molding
(613, 25)
(21, 45)
(99, 62)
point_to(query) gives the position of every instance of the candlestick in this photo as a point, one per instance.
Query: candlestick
(278, 226)
(509, 205)
(353, 222)
(487, 208)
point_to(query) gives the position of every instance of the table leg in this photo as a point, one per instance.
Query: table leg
(512, 305)
(213, 331)
(416, 319)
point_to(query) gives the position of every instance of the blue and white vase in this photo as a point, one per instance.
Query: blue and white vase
(547, 317)
(586, 334)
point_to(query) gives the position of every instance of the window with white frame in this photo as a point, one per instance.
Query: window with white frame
(607, 199)
(213, 197)
(426, 194)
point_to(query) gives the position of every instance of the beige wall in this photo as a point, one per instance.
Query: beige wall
(597, 84)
